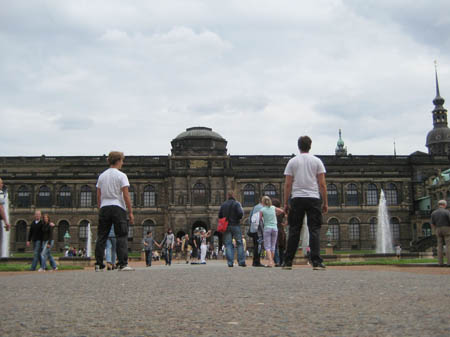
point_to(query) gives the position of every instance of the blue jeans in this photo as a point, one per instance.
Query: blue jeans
(168, 256)
(234, 232)
(46, 254)
(37, 248)
(111, 250)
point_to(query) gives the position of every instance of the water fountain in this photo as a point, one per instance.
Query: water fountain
(384, 233)
(89, 240)
(5, 233)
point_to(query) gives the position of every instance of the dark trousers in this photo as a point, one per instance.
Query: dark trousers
(109, 215)
(312, 208)
(148, 257)
(256, 249)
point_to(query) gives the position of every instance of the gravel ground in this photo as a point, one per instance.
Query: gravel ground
(214, 300)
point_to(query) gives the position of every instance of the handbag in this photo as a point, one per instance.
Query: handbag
(222, 225)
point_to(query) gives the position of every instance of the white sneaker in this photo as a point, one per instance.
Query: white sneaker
(40, 269)
(126, 268)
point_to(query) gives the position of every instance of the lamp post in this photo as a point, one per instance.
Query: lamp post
(67, 240)
(329, 237)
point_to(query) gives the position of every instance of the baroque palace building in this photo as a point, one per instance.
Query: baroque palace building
(185, 189)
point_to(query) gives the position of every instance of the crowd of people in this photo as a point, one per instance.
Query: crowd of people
(305, 194)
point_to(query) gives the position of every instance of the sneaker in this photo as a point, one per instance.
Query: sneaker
(40, 269)
(258, 265)
(319, 266)
(243, 265)
(55, 269)
(125, 268)
(99, 268)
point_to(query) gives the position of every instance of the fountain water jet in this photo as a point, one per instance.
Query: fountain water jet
(89, 239)
(5, 233)
(384, 233)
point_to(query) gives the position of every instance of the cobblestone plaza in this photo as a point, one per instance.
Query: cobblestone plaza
(214, 300)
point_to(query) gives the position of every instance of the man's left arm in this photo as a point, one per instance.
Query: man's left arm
(3, 216)
(99, 197)
(288, 180)
(323, 192)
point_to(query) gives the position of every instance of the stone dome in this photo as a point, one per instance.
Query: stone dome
(438, 135)
(199, 141)
(201, 132)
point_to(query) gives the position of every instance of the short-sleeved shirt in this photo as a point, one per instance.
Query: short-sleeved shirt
(149, 241)
(440, 217)
(110, 184)
(2, 197)
(304, 169)
(270, 217)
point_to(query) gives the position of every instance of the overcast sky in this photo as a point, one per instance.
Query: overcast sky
(87, 77)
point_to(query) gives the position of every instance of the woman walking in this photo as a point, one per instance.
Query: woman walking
(269, 214)
(168, 242)
(47, 243)
(203, 245)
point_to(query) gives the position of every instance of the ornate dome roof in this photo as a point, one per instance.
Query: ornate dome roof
(199, 141)
(199, 131)
(438, 135)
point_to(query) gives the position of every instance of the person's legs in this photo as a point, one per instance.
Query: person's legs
(36, 254)
(447, 244)
(237, 234)
(169, 253)
(314, 218)
(108, 252)
(440, 244)
(104, 226)
(295, 221)
(203, 249)
(229, 249)
(119, 218)
(256, 252)
(49, 256)
(43, 257)
(276, 257)
(114, 250)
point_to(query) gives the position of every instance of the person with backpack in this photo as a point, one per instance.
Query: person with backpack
(256, 233)
(232, 210)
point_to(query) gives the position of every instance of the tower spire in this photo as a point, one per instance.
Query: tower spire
(437, 81)
(341, 150)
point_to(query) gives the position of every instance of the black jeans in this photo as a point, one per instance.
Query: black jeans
(312, 208)
(148, 257)
(109, 215)
(256, 249)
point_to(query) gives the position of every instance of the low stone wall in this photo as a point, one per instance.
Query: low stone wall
(77, 261)
(300, 259)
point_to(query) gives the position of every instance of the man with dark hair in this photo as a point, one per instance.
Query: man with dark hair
(148, 248)
(304, 184)
(232, 210)
(35, 236)
(440, 220)
(113, 200)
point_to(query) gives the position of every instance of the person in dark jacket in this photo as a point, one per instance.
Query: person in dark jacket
(47, 243)
(232, 210)
(35, 236)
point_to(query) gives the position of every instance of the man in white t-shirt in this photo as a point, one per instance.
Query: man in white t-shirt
(113, 200)
(304, 184)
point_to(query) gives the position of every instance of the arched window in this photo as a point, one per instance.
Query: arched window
(353, 229)
(426, 229)
(373, 228)
(65, 197)
(270, 191)
(63, 227)
(391, 195)
(130, 232)
(333, 226)
(149, 196)
(44, 198)
(21, 231)
(86, 196)
(199, 194)
(352, 195)
(132, 195)
(83, 230)
(23, 196)
(395, 223)
(249, 195)
(372, 195)
(148, 226)
(333, 197)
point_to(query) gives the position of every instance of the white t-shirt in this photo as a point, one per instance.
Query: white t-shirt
(304, 169)
(110, 184)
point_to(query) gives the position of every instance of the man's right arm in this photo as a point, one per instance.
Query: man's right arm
(287, 191)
